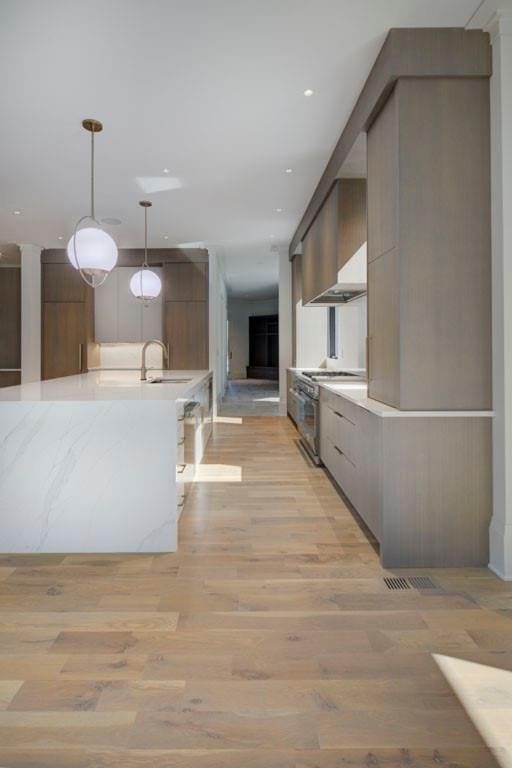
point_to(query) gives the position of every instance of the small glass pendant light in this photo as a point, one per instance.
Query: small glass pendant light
(91, 250)
(145, 284)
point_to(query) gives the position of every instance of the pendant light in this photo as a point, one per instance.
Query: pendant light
(91, 250)
(145, 284)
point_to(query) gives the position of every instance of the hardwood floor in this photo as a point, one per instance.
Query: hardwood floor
(269, 641)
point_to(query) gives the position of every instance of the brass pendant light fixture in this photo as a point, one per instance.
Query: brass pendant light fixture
(145, 284)
(91, 250)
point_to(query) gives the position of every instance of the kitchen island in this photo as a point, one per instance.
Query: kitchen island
(92, 463)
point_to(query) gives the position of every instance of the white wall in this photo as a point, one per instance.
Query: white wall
(285, 327)
(351, 325)
(311, 336)
(217, 325)
(239, 311)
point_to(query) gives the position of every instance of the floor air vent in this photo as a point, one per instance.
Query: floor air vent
(421, 582)
(416, 582)
(396, 582)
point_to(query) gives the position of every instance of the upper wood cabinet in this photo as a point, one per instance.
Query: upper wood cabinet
(186, 281)
(185, 308)
(62, 282)
(186, 333)
(336, 234)
(429, 293)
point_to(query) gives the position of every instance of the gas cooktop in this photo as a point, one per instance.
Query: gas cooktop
(317, 375)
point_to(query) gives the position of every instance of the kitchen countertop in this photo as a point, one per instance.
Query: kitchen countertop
(357, 392)
(105, 385)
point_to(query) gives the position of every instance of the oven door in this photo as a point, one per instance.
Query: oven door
(309, 422)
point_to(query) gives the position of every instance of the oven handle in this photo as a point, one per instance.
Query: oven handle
(297, 396)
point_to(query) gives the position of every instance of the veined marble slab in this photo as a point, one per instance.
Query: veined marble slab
(95, 474)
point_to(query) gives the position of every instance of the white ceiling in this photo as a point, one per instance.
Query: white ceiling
(212, 90)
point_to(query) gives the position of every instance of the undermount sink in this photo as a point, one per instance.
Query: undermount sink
(165, 380)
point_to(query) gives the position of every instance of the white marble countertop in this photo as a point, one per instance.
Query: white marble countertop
(106, 385)
(357, 392)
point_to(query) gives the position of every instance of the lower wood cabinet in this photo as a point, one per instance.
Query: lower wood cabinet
(422, 484)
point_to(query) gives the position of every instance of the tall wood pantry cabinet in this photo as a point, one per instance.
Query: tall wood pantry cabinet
(185, 313)
(67, 320)
(429, 257)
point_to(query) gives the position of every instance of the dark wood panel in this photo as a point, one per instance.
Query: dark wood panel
(352, 218)
(62, 282)
(185, 282)
(426, 52)
(320, 250)
(186, 333)
(64, 339)
(10, 317)
(9, 378)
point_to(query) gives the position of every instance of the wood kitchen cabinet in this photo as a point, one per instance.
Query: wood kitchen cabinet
(336, 234)
(186, 310)
(429, 276)
(186, 333)
(10, 326)
(421, 484)
(67, 320)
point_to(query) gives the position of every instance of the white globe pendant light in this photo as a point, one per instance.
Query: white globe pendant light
(91, 250)
(145, 284)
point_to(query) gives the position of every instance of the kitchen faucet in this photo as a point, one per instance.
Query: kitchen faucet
(143, 369)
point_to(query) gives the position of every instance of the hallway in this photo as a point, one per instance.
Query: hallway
(250, 397)
(268, 641)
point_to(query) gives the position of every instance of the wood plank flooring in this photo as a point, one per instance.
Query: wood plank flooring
(268, 641)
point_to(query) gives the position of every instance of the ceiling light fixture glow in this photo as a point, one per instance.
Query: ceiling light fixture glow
(145, 284)
(289, 170)
(308, 92)
(16, 213)
(279, 210)
(91, 250)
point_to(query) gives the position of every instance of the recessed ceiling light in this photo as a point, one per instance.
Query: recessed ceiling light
(166, 170)
(279, 210)
(60, 237)
(308, 92)
(16, 213)
(289, 170)
(166, 237)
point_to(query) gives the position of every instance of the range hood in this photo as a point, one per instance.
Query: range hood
(351, 282)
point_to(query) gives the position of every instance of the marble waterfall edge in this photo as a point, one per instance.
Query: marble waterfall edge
(88, 476)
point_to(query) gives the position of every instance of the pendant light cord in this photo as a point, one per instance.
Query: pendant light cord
(92, 174)
(146, 237)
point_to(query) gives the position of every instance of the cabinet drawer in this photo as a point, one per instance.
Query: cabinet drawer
(344, 472)
(344, 435)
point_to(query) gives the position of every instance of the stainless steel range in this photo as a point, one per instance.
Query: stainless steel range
(305, 394)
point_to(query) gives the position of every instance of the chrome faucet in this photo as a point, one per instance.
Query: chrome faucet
(143, 369)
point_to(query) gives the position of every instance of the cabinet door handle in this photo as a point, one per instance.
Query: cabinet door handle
(180, 468)
(337, 449)
(80, 358)
(339, 414)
